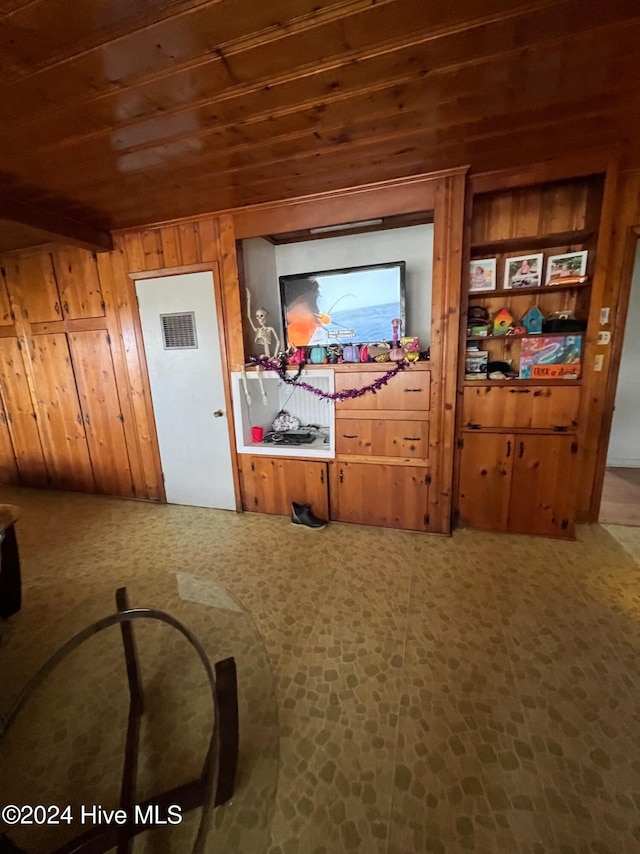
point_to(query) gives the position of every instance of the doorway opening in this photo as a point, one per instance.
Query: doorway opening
(621, 489)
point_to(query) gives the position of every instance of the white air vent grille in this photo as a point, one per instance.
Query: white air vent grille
(179, 331)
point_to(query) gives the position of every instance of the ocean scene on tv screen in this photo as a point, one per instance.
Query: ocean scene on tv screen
(352, 307)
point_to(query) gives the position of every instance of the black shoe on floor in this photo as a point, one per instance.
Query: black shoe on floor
(301, 515)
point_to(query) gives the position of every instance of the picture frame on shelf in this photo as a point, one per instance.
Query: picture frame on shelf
(566, 268)
(482, 275)
(523, 271)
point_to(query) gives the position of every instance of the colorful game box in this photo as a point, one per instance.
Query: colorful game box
(546, 357)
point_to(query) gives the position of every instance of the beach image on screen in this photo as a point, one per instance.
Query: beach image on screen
(354, 306)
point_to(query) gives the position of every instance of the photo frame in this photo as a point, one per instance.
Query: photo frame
(482, 275)
(569, 266)
(523, 271)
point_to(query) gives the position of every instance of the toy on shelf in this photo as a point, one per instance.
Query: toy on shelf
(502, 322)
(263, 333)
(533, 320)
(411, 348)
(397, 353)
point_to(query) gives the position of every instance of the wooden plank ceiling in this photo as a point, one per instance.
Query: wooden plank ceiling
(119, 113)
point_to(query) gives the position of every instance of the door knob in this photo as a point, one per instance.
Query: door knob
(218, 413)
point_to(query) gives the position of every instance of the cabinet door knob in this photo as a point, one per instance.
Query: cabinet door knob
(218, 413)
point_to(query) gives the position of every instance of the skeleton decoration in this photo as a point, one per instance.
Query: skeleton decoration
(263, 333)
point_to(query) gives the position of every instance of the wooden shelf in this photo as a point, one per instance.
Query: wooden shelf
(524, 335)
(525, 244)
(541, 289)
(517, 382)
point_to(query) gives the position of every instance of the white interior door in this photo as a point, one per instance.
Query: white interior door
(182, 345)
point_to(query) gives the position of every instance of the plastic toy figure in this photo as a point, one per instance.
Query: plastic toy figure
(263, 333)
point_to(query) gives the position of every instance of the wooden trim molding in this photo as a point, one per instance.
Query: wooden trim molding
(60, 228)
(626, 233)
(448, 241)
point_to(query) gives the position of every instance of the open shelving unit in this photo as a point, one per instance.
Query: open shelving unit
(518, 439)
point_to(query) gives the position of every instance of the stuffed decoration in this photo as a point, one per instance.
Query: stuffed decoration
(334, 354)
(318, 356)
(298, 357)
(379, 352)
(411, 349)
(364, 353)
(284, 421)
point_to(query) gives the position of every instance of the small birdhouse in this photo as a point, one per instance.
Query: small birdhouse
(532, 321)
(502, 322)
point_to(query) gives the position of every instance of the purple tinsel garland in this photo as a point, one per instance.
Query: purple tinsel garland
(280, 368)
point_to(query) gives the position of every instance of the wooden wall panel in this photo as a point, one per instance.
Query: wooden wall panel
(78, 284)
(133, 371)
(32, 285)
(8, 467)
(6, 314)
(101, 411)
(448, 238)
(21, 416)
(60, 417)
(612, 285)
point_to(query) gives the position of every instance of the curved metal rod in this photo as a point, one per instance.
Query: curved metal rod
(210, 770)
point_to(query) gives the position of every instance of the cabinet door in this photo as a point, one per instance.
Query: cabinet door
(269, 485)
(78, 284)
(60, 417)
(21, 417)
(542, 486)
(6, 316)
(517, 407)
(408, 390)
(485, 480)
(388, 438)
(387, 496)
(100, 404)
(32, 284)
(8, 468)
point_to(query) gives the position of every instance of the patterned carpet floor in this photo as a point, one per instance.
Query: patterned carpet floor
(400, 692)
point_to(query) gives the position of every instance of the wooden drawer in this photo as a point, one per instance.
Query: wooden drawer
(382, 438)
(515, 407)
(409, 390)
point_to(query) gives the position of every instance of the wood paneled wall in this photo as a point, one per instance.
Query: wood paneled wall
(75, 407)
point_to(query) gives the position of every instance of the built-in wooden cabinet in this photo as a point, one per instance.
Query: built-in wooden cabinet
(516, 406)
(271, 484)
(21, 415)
(518, 482)
(388, 496)
(62, 421)
(518, 439)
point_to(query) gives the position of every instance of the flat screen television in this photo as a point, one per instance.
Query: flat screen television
(354, 305)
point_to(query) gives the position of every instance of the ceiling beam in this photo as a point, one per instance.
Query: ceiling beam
(62, 229)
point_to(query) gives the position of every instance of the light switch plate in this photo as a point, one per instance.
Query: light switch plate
(598, 363)
(604, 316)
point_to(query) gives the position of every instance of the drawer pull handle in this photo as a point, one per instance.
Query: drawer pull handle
(412, 389)
(508, 449)
(521, 454)
(560, 428)
(345, 436)
(524, 391)
(411, 439)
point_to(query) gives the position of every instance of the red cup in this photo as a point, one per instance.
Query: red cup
(257, 434)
